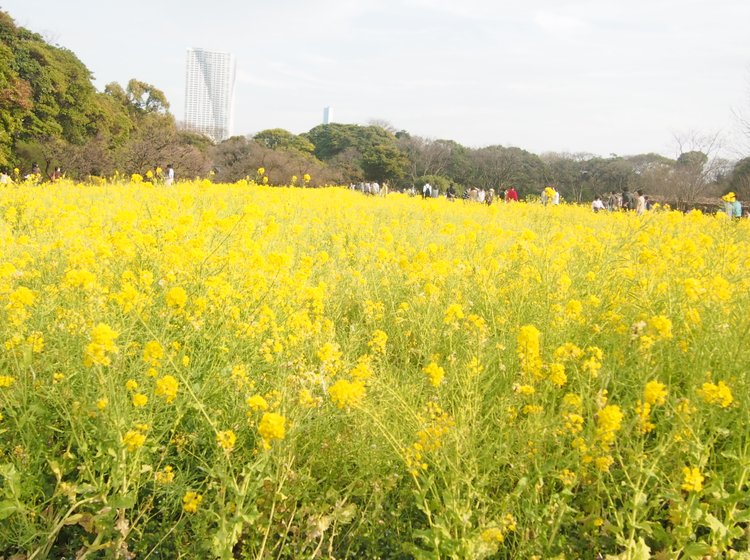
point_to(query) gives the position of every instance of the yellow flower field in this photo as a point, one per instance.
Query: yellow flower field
(238, 371)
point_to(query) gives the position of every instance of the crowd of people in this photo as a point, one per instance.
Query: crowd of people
(372, 188)
(625, 200)
(612, 201)
(486, 196)
(732, 206)
(34, 175)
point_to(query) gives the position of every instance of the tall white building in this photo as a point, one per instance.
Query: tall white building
(327, 115)
(209, 93)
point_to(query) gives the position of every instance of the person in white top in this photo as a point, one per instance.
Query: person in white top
(427, 191)
(640, 206)
(598, 204)
(169, 180)
(556, 196)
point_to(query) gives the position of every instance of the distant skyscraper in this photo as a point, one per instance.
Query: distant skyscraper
(209, 93)
(327, 115)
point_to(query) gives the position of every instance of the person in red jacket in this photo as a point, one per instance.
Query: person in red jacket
(511, 195)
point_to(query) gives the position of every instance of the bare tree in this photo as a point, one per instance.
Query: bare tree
(742, 119)
(697, 168)
(384, 124)
(426, 157)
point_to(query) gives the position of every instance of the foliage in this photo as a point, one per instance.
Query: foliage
(240, 158)
(499, 167)
(280, 139)
(740, 179)
(380, 157)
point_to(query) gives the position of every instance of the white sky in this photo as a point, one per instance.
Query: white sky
(593, 76)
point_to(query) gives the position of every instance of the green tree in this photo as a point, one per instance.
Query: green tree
(61, 91)
(145, 99)
(740, 179)
(280, 139)
(332, 139)
(380, 156)
(15, 101)
(384, 162)
(47, 98)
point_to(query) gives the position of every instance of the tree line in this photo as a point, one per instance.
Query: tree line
(51, 113)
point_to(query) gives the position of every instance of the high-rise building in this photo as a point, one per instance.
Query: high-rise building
(209, 93)
(327, 115)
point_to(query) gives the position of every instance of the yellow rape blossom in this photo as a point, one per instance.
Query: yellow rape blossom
(378, 341)
(453, 315)
(190, 501)
(176, 297)
(603, 463)
(272, 426)
(524, 389)
(133, 440)
(257, 403)
(164, 476)
(692, 479)
(662, 326)
(226, 440)
(6, 381)
(102, 345)
(655, 393)
(529, 350)
(153, 352)
(167, 387)
(435, 373)
(347, 394)
(719, 394)
(567, 477)
(608, 423)
(557, 374)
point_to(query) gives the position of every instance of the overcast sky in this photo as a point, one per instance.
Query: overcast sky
(590, 76)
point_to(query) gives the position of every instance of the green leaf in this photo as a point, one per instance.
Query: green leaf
(344, 515)
(55, 467)
(7, 509)
(126, 501)
(742, 516)
(12, 479)
(641, 551)
(635, 551)
(696, 550)
(716, 526)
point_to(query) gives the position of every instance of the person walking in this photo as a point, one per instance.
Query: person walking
(640, 205)
(736, 209)
(628, 200)
(169, 179)
(4, 177)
